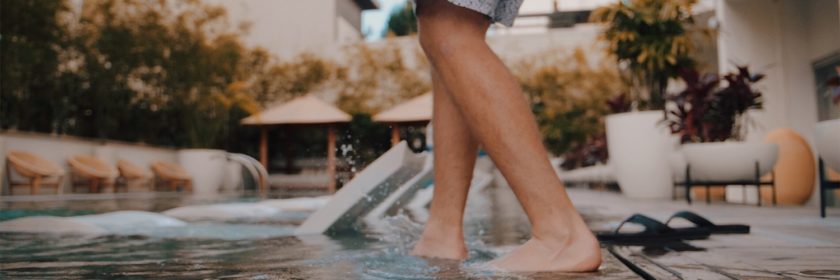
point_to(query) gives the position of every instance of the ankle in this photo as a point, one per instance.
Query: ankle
(561, 231)
(444, 225)
(442, 230)
(440, 242)
(553, 238)
(447, 237)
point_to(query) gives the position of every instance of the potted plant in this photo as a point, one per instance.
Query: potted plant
(639, 152)
(709, 119)
(651, 40)
(207, 167)
(594, 150)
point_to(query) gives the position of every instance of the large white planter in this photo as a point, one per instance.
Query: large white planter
(207, 168)
(729, 161)
(639, 148)
(828, 143)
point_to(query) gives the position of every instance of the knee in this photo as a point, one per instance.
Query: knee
(443, 40)
(436, 44)
(445, 28)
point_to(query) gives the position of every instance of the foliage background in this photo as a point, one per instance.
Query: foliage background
(652, 41)
(176, 73)
(568, 95)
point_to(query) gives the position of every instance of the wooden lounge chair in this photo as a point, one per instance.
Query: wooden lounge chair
(92, 172)
(171, 175)
(133, 175)
(35, 169)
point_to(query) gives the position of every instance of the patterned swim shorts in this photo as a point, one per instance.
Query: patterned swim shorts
(501, 11)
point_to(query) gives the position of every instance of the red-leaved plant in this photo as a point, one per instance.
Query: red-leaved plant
(594, 150)
(620, 103)
(591, 152)
(706, 112)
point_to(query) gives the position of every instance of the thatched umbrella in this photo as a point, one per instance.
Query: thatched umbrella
(305, 110)
(417, 111)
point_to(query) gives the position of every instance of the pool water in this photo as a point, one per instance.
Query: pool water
(74, 205)
(259, 249)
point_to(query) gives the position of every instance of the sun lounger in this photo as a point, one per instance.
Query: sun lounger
(39, 171)
(172, 175)
(92, 172)
(131, 174)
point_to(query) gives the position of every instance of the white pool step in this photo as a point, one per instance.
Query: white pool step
(367, 190)
(404, 194)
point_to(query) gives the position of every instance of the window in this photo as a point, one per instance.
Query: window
(824, 69)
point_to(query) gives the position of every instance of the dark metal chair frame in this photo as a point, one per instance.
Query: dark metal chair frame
(825, 185)
(689, 183)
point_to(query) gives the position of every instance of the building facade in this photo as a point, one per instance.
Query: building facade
(289, 27)
(791, 42)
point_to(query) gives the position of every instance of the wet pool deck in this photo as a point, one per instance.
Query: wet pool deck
(786, 242)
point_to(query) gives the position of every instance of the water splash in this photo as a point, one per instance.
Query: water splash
(346, 149)
(347, 153)
(399, 232)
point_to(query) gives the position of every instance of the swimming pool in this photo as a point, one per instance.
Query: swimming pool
(259, 248)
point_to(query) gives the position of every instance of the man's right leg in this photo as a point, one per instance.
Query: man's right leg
(492, 104)
(455, 152)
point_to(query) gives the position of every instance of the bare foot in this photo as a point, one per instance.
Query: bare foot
(440, 243)
(575, 250)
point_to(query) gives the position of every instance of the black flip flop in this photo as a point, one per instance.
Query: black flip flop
(704, 223)
(655, 232)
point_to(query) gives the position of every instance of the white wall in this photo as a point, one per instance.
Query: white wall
(745, 25)
(289, 27)
(517, 46)
(346, 33)
(780, 39)
(824, 27)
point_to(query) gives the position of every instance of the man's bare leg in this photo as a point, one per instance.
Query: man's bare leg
(455, 152)
(491, 101)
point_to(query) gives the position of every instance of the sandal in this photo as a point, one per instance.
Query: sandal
(655, 232)
(704, 223)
